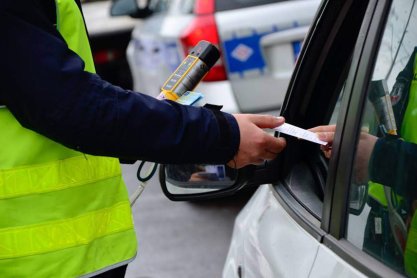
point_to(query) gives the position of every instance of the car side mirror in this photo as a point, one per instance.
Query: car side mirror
(130, 8)
(196, 180)
(192, 182)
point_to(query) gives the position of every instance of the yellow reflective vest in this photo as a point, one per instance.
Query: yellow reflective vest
(63, 213)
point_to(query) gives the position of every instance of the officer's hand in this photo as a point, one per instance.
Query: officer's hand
(256, 145)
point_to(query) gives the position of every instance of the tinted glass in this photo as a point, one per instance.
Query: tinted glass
(383, 194)
(222, 5)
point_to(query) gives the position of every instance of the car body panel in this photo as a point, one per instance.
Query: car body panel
(259, 233)
(267, 242)
(329, 265)
(247, 62)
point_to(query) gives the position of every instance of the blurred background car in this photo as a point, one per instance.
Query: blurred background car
(259, 41)
(109, 37)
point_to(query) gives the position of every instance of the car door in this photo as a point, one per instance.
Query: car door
(284, 222)
(313, 222)
(346, 210)
(260, 41)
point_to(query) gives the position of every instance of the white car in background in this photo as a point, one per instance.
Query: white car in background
(259, 42)
(109, 37)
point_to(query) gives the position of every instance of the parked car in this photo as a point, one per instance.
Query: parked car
(109, 37)
(318, 217)
(259, 42)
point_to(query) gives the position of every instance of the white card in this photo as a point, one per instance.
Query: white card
(300, 133)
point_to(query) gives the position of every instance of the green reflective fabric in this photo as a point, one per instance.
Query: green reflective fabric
(66, 203)
(409, 126)
(66, 233)
(100, 254)
(21, 146)
(56, 175)
(73, 31)
(376, 191)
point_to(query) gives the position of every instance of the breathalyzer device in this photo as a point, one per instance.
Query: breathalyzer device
(185, 78)
(191, 71)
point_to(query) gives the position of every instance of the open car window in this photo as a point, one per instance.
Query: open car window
(315, 99)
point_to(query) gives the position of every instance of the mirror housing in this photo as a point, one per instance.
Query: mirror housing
(179, 184)
(130, 8)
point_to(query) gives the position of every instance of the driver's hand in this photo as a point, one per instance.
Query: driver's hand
(365, 147)
(326, 134)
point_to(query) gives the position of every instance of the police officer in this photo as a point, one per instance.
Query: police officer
(64, 207)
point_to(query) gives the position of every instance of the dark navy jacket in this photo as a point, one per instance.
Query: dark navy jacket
(44, 85)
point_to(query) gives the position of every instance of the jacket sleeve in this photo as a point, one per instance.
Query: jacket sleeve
(393, 163)
(47, 90)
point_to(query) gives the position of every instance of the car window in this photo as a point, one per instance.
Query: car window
(383, 190)
(222, 5)
(172, 6)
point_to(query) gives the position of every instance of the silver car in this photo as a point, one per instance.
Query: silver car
(348, 214)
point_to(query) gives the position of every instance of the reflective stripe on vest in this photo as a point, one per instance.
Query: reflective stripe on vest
(63, 213)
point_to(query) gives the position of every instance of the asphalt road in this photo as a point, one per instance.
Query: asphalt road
(179, 239)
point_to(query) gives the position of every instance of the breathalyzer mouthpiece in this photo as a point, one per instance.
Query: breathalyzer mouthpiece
(206, 52)
(191, 71)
